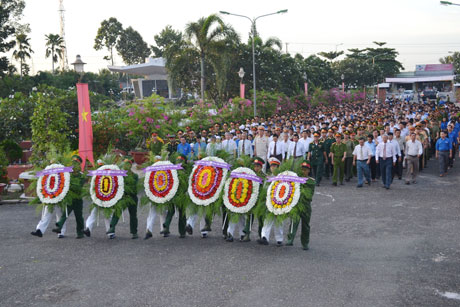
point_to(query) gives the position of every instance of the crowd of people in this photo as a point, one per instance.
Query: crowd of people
(367, 140)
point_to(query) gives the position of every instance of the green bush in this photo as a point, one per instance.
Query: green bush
(12, 150)
(3, 164)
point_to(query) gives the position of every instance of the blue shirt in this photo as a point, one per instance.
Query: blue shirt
(372, 147)
(184, 149)
(197, 147)
(443, 145)
(443, 125)
(453, 137)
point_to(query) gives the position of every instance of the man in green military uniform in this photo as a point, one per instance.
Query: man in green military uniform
(327, 148)
(317, 156)
(77, 203)
(172, 145)
(350, 144)
(305, 215)
(337, 155)
(131, 201)
(155, 145)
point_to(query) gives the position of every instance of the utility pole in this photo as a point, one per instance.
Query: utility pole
(287, 51)
(64, 61)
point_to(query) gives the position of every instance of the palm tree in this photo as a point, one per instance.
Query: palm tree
(22, 52)
(55, 47)
(204, 37)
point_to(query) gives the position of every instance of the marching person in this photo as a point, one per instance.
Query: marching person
(413, 150)
(305, 214)
(337, 155)
(261, 145)
(386, 158)
(296, 149)
(443, 153)
(362, 156)
(350, 145)
(268, 224)
(317, 156)
(275, 148)
(130, 198)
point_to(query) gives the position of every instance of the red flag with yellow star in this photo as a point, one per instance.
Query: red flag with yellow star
(85, 132)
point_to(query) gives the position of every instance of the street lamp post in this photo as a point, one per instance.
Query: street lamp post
(343, 83)
(253, 26)
(78, 66)
(449, 3)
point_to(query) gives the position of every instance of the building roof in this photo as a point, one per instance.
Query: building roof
(154, 66)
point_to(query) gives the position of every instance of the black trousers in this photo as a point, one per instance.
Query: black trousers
(373, 168)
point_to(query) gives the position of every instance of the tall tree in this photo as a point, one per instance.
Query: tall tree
(203, 34)
(107, 36)
(22, 52)
(132, 47)
(167, 41)
(10, 15)
(453, 58)
(331, 56)
(54, 48)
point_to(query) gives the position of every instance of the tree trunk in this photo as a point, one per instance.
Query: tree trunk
(52, 61)
(203, 84)
(111, 55)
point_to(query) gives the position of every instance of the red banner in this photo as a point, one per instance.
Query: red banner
(85, 132)
(241, 90)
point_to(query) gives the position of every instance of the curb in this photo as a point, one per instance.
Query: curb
(13, 201)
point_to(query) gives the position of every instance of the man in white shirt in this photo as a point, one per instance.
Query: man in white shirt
(397, 148)
(362, 155)
(306, 139)
(261, 145)
(275, 148)
(286, 143)
(385, 156)
(229, 145)
(245, 146)
(296, 149)
(413, 151)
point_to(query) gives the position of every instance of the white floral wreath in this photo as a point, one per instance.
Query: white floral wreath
(288, 200)
(253, 197)
(119, 192)
(65, 190)
(171, 193)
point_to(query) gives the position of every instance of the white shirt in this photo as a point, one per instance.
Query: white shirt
(306, 142)
(396, 145)
(261, 146)
(390, 150)
(413, 148)
(229, 146)
(279, 149)
(363, 154)
(300, 150)
(247, 148)
(286, 147)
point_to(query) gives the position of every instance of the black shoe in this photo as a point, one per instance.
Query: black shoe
(229, 238)
(279, 243)
(162, 232)
(399, 178)
(148, 235)
(262, 241)
(135, 236)
(317, 184)
(80, 236)
(87, 232)
(182, 236)
(245, 238)
(305, 248)
(387, 188)
(189, 229)
(56, 230)
(60, 236)
(289, 243)
(359, 186)
(206, 228)
(341, 183)
(204, 235)
(166, 233)
(368, 182)
(347, 180)
(334, 183)
(37, 233)
(407, 182)
(111, 236)
(224, 236)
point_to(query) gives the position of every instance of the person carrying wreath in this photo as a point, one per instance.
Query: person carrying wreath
(77, 203)
(129, 201)
(306, 196)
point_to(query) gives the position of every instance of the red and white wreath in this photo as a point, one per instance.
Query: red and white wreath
(107, 190)
(53, 187)
(161, 181)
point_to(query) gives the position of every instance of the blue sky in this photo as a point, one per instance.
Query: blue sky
(422, 31)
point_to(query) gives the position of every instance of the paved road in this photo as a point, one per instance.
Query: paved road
(369, 247)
